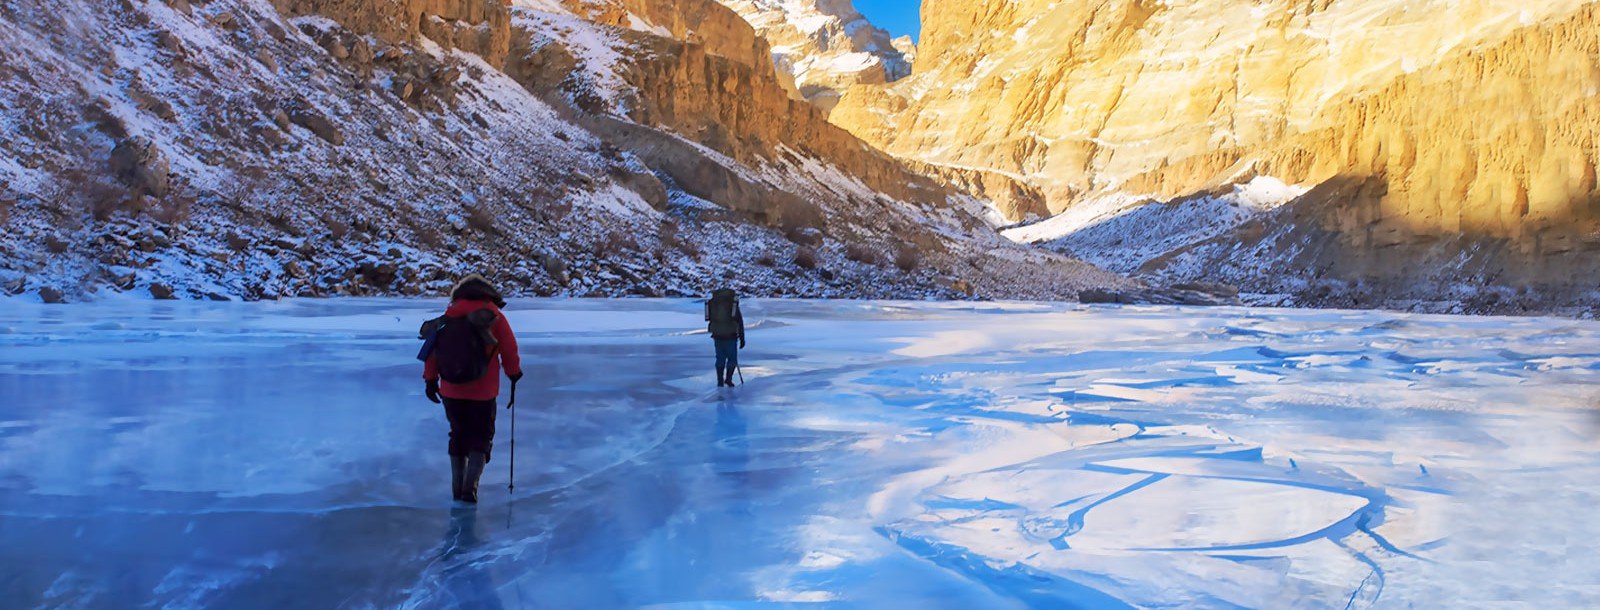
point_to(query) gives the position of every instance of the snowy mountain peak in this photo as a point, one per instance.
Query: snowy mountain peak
(827, 45)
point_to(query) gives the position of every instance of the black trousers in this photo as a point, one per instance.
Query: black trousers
(471, 425)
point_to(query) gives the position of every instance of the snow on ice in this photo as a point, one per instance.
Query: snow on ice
(882, 454)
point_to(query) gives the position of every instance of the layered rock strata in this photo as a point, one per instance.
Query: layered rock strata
(1417, 129)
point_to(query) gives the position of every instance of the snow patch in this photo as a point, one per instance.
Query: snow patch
(1121, 232)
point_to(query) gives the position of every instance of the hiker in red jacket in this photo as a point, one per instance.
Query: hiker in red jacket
(465, 351)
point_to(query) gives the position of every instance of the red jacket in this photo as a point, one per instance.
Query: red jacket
(504, 354)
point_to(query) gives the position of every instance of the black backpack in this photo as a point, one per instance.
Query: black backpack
(722, 313)
(460, 345)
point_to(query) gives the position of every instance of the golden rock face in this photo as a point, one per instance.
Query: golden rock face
(1464, 116)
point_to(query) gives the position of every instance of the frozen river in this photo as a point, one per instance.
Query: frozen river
(880, 455)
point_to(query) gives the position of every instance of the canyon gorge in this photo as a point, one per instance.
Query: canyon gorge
(244, 149)
(1435, 155)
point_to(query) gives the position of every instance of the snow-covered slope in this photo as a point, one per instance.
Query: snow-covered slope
(827, 45)
(242, 149)
(1122, 233)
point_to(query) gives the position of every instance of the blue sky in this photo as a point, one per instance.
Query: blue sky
(896, 16)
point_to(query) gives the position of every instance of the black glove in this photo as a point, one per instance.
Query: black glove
(514, 377)
(741, 341)
(432, 390)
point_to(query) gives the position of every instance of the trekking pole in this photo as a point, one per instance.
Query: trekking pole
(740, 370)
(511, 484)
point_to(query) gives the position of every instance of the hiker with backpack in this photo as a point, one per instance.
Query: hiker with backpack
(726, 324)
(463, 353)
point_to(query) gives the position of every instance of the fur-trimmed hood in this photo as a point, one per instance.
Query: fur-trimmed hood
(474, 287)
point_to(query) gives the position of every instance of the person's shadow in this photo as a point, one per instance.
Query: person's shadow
(469, 584)
(730, 448)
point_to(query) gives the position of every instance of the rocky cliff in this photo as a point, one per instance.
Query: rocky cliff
(255, 149)
(726, 96)
(1414, 132)
(826, 46)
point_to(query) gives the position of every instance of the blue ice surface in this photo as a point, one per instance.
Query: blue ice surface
(879, 455)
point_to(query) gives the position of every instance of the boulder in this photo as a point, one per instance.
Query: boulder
(225, 20)
(379, 275)
(140, 165)
(266, 59)
(317, 124)
(555, 267)
(1154, 296)
(169, 41)
(644, 183)
(360, 51)
(447, 75)
(805, 257)
(1097, 295)
(805, 236)
(644, 290)
(1214, 288)
(439, 31)
(149, 102)
(403, 88)
(56, 245)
